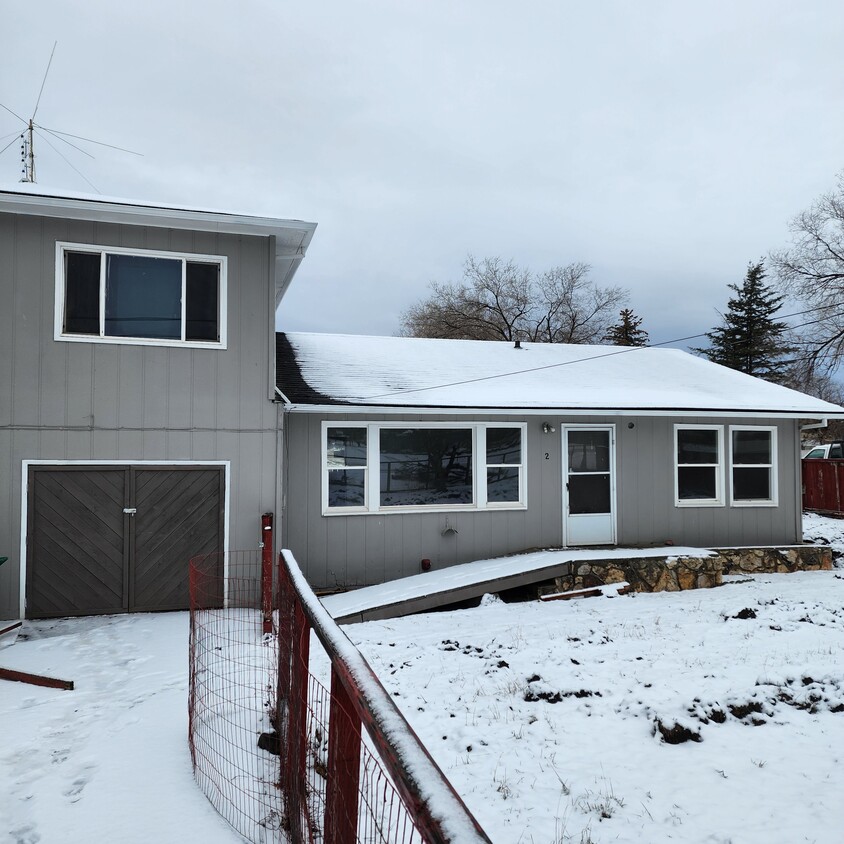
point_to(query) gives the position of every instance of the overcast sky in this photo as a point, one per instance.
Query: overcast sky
(666, 144)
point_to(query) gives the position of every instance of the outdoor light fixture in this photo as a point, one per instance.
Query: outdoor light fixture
(548, 428)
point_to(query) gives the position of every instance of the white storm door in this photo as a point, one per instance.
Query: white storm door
(589, 485)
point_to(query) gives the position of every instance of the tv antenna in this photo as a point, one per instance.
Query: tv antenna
(27, 138)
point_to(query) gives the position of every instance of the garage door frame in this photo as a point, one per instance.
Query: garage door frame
(225, 465)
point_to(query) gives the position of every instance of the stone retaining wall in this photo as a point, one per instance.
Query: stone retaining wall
(674, 574)
(769, 560)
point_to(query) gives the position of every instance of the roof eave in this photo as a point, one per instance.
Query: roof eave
(292, 237)
(421, 410)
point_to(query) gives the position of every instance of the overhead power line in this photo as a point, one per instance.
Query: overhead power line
(617, 351)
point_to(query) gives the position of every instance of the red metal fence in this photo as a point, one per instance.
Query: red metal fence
(281, 757)
(823, 486)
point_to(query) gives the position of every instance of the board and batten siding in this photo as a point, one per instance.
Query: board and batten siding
(340, 551)
(77, 401)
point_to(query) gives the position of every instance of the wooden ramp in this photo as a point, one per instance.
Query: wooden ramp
(444, 587)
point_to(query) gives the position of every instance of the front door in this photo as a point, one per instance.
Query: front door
(589, 485)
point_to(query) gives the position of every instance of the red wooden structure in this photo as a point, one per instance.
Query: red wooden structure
(358, 702)
(281, 757)
(823, 486)
(267, 571)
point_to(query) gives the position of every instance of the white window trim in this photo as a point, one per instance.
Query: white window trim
(718, 501)
(324, 468)
(773, 501)
(373, 473)
(58, 324)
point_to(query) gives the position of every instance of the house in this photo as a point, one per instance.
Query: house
(138, 410)
(404, 453)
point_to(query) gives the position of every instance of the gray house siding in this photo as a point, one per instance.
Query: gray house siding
(353, 550)
(92, 402)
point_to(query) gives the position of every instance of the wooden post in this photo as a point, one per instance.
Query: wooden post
(297, 724)
(343, 781)
(267, 571)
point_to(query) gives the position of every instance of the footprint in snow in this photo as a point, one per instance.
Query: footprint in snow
(74, 791)
(25, 835)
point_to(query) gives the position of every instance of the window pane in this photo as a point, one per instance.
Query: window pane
(202, 285)
(503, 445)
(81, 293)
(143, 297)
(751, 447)
(835, 453)
(346, 447)
(696, 482)
(589, 494)
(422, 467)
(697, 446)
(751, 484)
(346, 487)
(502, 484)
(589, 451)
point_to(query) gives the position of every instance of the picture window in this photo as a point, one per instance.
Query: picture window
(382, 467)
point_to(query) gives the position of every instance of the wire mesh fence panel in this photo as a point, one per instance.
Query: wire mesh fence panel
(232, 699)
(282, 757)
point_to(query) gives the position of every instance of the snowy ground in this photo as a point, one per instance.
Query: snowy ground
(545, 716)
(108, 761)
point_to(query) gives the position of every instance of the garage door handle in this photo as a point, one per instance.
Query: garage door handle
(130, 511)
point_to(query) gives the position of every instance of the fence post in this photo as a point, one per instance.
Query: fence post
(296, 738)
(343, 780)
(267, 571)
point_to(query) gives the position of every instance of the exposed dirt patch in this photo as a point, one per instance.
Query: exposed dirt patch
(676, 733)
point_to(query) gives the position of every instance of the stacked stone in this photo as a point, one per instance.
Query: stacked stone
(676, 574)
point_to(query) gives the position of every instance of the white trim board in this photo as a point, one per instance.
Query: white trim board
(25, 464)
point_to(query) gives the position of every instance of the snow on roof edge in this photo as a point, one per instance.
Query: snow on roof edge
(408, 373)
(26, 189)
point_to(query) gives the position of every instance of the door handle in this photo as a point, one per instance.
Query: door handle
(130, 511)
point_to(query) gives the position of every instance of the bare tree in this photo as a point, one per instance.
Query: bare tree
(811, 271)
(498, 300)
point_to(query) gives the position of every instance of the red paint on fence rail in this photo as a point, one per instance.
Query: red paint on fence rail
(823, 486)
(281, 758)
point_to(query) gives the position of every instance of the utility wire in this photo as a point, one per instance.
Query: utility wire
(622, 351)
(13, 113)
(10, 142)
(69, 164)
(59, 138)
(91, 141)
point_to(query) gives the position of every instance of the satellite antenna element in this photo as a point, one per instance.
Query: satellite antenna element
(27, 138)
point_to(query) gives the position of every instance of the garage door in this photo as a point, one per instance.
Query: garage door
(104, 539)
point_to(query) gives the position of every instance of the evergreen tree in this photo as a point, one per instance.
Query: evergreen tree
(627, 332)
(750, 340)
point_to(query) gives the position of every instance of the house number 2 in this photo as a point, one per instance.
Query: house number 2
(547, 456)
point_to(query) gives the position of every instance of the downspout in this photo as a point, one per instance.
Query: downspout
(280, 533)
(813, 425)
(284, 399)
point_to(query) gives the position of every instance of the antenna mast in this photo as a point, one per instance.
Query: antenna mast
(32, 129)
(28, 147)
(27, 155)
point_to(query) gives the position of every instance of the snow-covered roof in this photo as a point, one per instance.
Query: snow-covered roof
(292, 236)
(409, 372)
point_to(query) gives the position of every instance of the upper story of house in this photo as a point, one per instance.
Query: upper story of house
(116, 314)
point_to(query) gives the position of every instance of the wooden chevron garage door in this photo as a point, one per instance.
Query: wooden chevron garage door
(105, 539)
